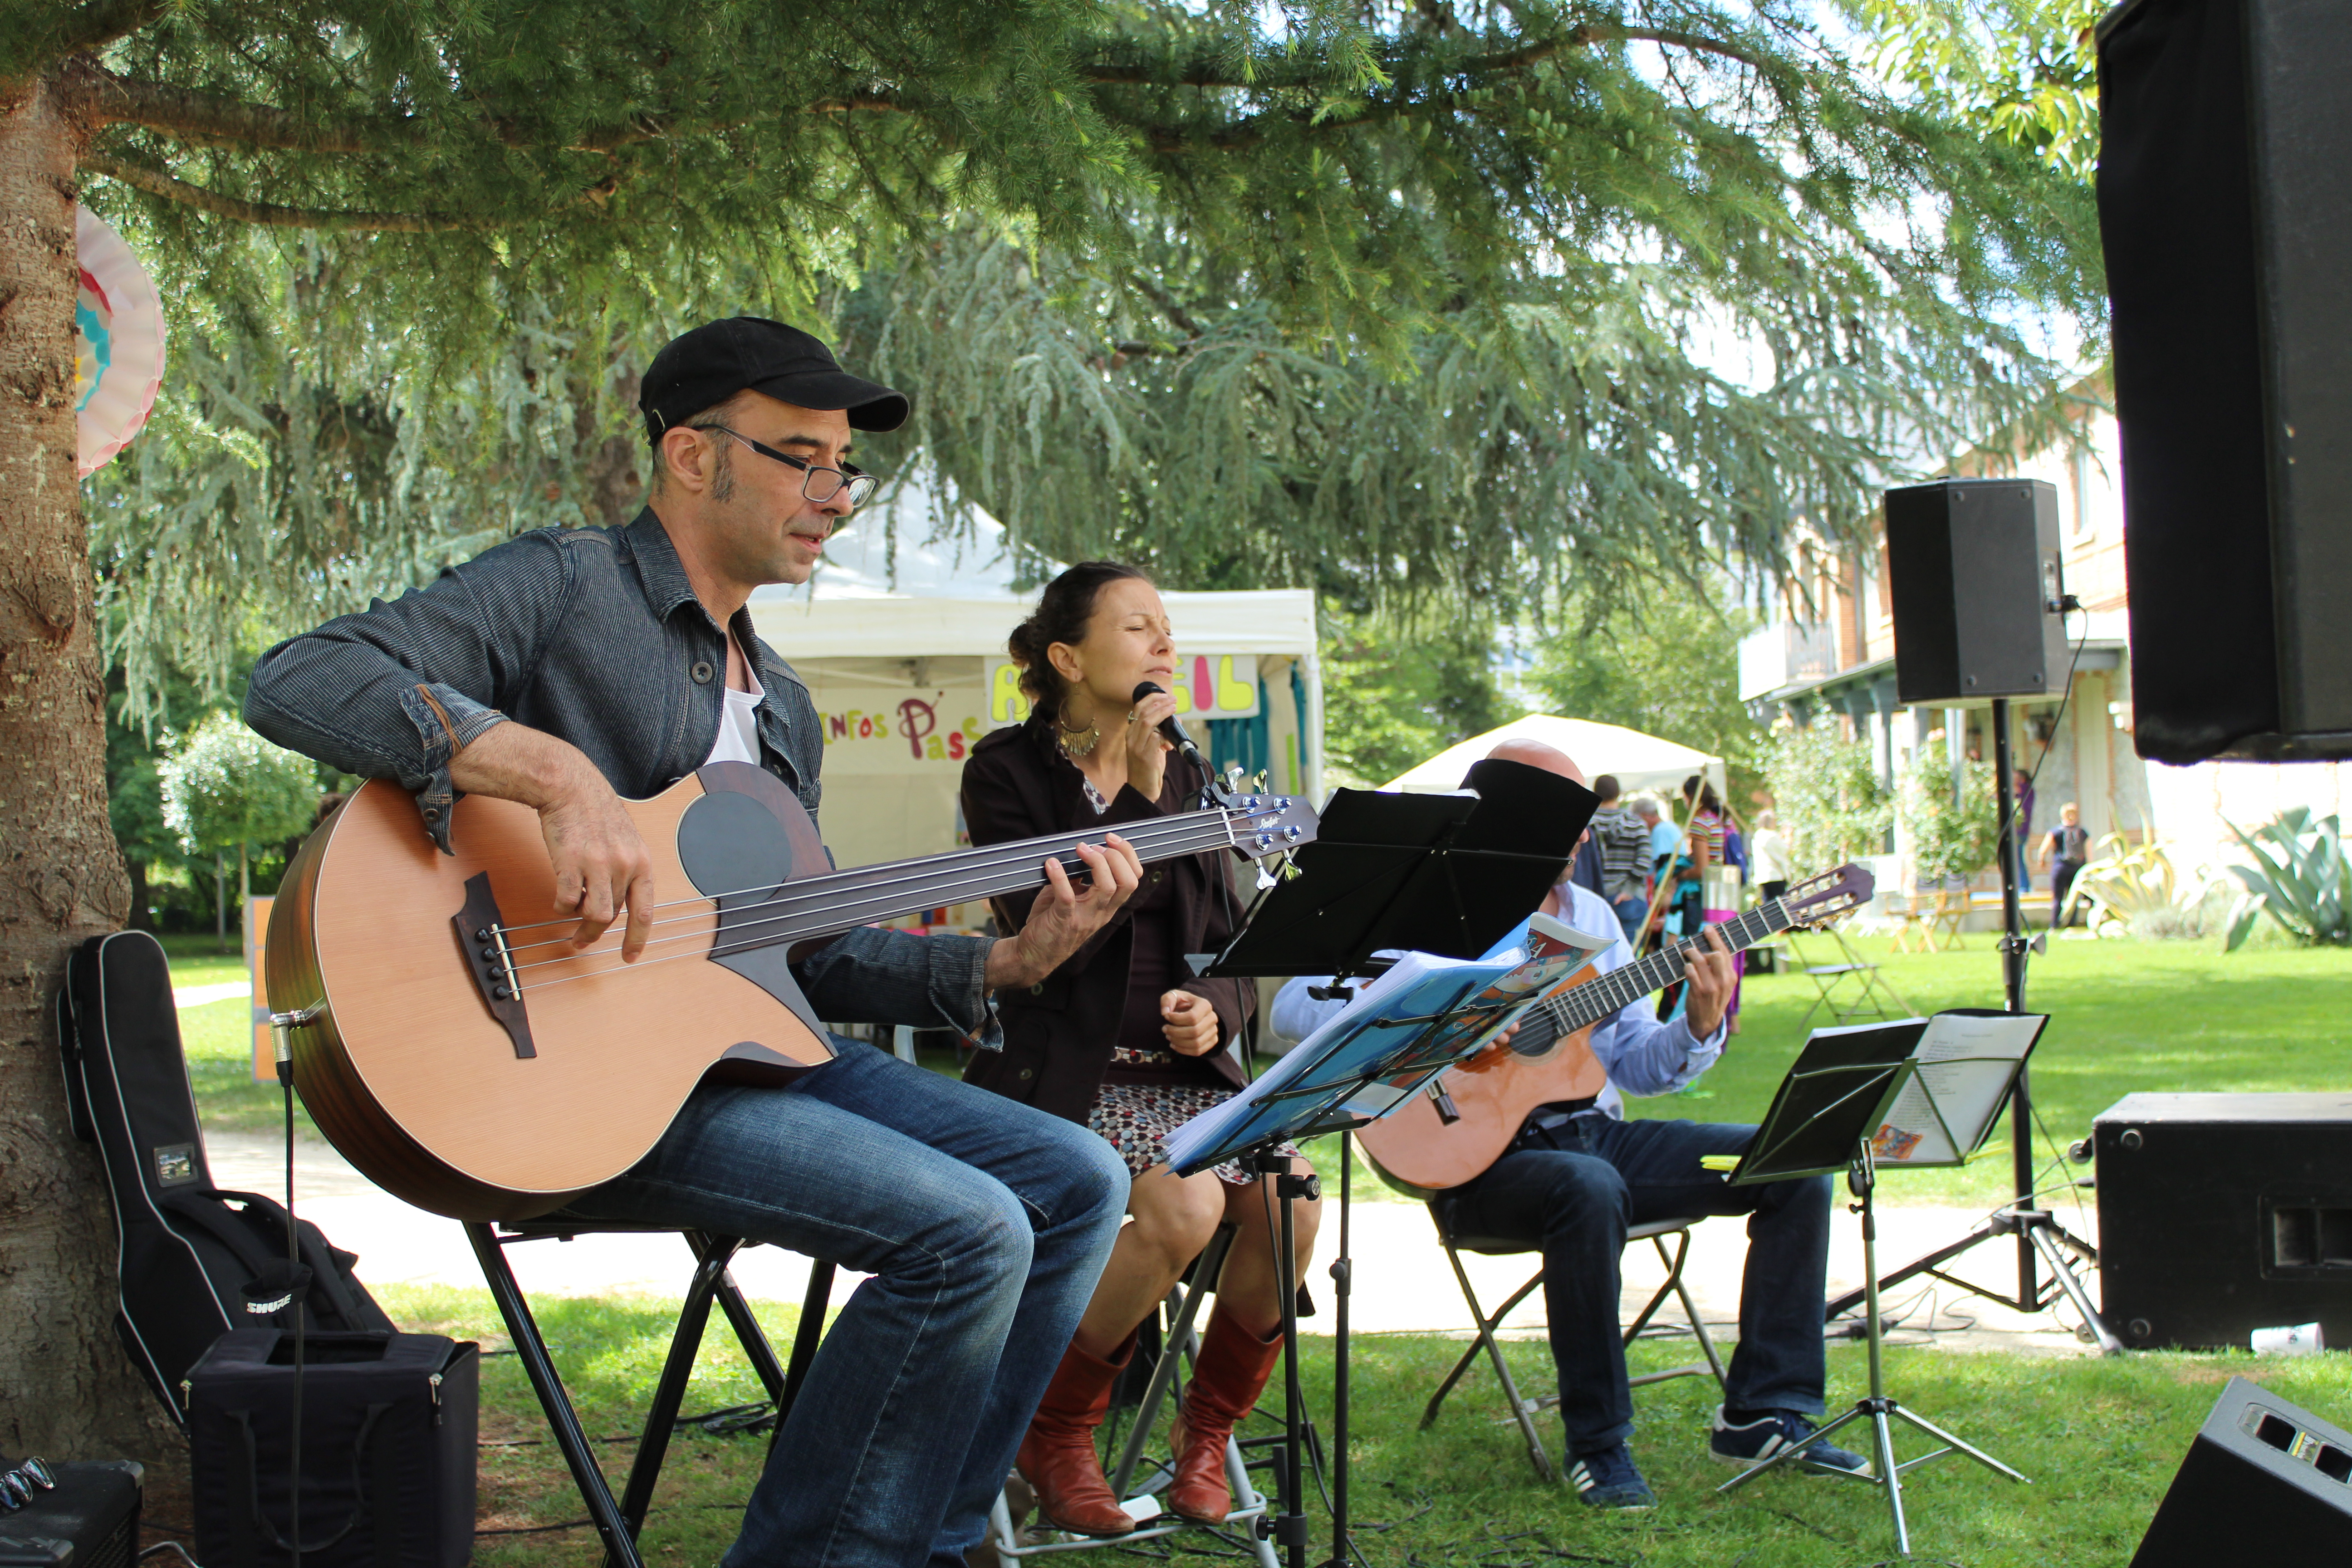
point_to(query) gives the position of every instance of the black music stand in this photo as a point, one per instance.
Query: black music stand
(1445, 874)
(1831, 1113)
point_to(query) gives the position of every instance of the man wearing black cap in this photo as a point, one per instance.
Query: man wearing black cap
(566, 668)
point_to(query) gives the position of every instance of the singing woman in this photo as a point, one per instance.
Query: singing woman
(1124, 1039)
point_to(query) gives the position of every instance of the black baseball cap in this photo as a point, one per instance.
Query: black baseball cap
(705, 367)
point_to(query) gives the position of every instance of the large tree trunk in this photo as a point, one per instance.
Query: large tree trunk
(66, 1388)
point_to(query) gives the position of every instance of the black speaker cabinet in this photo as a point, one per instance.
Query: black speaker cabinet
(92, 1521)
(1974, 567)
(2263, 1482)
(2225, 214)
(2222, 1214)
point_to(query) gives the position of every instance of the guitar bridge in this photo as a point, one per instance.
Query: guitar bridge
(482, 939)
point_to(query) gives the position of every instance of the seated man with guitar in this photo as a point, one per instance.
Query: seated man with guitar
(566, 668)
(1569, 1177)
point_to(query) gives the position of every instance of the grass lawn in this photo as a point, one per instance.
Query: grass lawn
(2098, 1439)
(2125, 1016)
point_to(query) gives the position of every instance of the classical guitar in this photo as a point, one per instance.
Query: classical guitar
(464, 1058)
(1470, 1114)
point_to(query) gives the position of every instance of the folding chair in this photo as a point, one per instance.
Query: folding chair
(1179, 1345)
(619, 1523)
(1522, 1407)
(1873, 994)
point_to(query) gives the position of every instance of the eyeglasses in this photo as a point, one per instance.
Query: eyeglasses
(27, 1481)
(816, 484)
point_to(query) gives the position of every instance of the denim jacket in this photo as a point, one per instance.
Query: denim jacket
(594, 636)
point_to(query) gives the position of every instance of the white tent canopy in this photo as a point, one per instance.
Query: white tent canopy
(1640, 762)
(901, 636)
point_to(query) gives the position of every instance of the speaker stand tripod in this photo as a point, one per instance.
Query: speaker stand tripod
(2039, 1234)
(1879, 1407)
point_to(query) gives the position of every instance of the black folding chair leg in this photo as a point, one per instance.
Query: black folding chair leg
(748, 1332)
(806, 1336)
(677, 1372)
(620, 1545)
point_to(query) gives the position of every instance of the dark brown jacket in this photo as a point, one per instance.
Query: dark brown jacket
(1058, 1034)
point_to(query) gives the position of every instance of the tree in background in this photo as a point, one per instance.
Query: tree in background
(1666, 665)
(224, 787)
(1826, 790)
(2026, 70)
(368, 213)
(1953, 831)
(1394, 696)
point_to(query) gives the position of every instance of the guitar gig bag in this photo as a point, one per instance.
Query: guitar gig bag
(186, 1248)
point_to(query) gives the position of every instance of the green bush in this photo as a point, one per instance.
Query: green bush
(1952, 835)
(1831, 803)
(2299, 878)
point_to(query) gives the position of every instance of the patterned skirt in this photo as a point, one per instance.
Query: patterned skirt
(1136, 1118)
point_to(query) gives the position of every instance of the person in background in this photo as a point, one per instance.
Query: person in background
(2021, 785)
(1665, 843)
(2066, 847)
(1125, 1040)
(1769, 857)
(1579, 1172)
(1622, 839)
(1711, 829)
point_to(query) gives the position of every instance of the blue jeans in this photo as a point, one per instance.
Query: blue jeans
(1575, 1200)
(1630, 911)
(984, 1225)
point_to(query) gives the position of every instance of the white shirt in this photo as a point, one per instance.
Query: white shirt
(739, 727)
(1768, 853)
(1640, 1054)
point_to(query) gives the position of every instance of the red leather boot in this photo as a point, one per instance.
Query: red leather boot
(1058, 1457)
(1232, 1370)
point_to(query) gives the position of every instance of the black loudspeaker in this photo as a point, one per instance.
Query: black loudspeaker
(2222, 1214)
(2225, 213)
(2263, 1482)
(1973, 567)
(90, 1520)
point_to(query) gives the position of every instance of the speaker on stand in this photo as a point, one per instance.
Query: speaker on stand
(1975, 571)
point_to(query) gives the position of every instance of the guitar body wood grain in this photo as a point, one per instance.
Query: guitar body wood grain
(413, 1080)
(1416, 1148)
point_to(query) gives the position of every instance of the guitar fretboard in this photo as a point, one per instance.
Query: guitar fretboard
(1597, 999)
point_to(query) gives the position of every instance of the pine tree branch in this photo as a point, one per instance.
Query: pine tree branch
(1591, 33)
(157, 183)
(97, 24)
(183, 113)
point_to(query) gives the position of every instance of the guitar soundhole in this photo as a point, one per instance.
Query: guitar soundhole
(732, 843)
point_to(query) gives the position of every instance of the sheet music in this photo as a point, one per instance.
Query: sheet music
(1966, 1061)
(1397, 1009)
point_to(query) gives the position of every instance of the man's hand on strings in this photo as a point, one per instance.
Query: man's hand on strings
(1064, 916)
(1709, 970)
(601, 865)
(1190, 1023)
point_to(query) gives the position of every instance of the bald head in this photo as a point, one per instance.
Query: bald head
(1536, 754)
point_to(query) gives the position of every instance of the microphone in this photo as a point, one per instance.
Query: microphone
(1172, 731)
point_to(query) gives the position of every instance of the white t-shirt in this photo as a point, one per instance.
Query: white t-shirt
(739, 727)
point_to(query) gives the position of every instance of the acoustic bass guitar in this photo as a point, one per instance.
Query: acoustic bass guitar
(1469, 1115)
(453, 1047)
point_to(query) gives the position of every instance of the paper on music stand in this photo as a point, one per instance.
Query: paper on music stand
(1966, 1060)
(1401, 1030)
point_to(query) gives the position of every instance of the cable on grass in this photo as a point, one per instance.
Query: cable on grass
(538, 1529)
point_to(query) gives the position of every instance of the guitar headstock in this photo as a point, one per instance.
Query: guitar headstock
(1817, 901)
(1269, 824)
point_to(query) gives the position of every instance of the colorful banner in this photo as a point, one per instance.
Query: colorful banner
(1207, 686)
(902, 732)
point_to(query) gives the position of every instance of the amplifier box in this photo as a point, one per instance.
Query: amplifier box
(2222, 1214)
(90, 1520)
(2262, 1482)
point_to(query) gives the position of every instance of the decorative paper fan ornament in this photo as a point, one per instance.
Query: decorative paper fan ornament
(118, 342)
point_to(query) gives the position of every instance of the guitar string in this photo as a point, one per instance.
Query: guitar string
(1616, 990)
(1013, 851)
(837, 917)
(982, 873)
